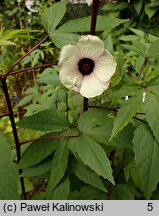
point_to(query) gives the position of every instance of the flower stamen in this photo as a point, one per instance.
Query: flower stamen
(86, 66)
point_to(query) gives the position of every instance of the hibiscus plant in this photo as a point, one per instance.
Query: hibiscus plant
(98, 110)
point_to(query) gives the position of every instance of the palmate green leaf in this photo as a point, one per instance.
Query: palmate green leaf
(83, 24)
(8, 173)
(138, 5)
(154, 49)
(147, 159)
(138, 47)
(151, 76)
(61, 192)
(151, 8)
(92, 155)
(153, 86)
(47, 120)
(124, 138)
(62, 39)
(4, 42)
(91, 119)
(125, 114)
(122, 192)
(113, 7)
(90, 193)
(129, 37)
(59, 165)
(154, 31)
(108, 23)
(139, 63)
(38, 151)
(121, 6)
(127, 90)
(131, 172)
(39, 169)
(108, 44)
(34, 108)
(50, 77)
(16, 33)
(108, 7)
(76, 25)
(152, 37)
(117, 77)
(53, 15)
(85, 174)
(28, 185)
(25, 100)
(98, 125)
(12, 33)
(138, 32)
(151, 107)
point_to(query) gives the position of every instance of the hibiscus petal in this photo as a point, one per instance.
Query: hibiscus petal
(92, 87)
(104, 67)
(90, 47)
(70, 54)
(70, 76)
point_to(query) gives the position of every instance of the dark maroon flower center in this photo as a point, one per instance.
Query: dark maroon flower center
(86, 66)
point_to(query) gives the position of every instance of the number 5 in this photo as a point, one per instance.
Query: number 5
(150, 206)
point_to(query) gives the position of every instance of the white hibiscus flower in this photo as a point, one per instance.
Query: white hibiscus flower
(29, 4)
(86, 67)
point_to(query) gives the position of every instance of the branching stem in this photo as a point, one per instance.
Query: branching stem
(14, 129)
(51, 137)
(4, 86)
(23, 57)
(30, 68)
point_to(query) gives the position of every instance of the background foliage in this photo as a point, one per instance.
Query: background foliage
(110, 151)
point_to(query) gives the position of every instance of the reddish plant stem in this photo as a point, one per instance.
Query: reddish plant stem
(3, 115)
(141, 120)
(11, 116)
(23, 57)
(7, 114)
(14, 129)
(111, 158)
(113, 109)
(67, 105)
(116, 110)
(85, 104)
(10, 111)
(95, 6)
(30, 68)
(144, 64)
(51, 137)
(40, 187)
(140, 113)
(106, 108)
